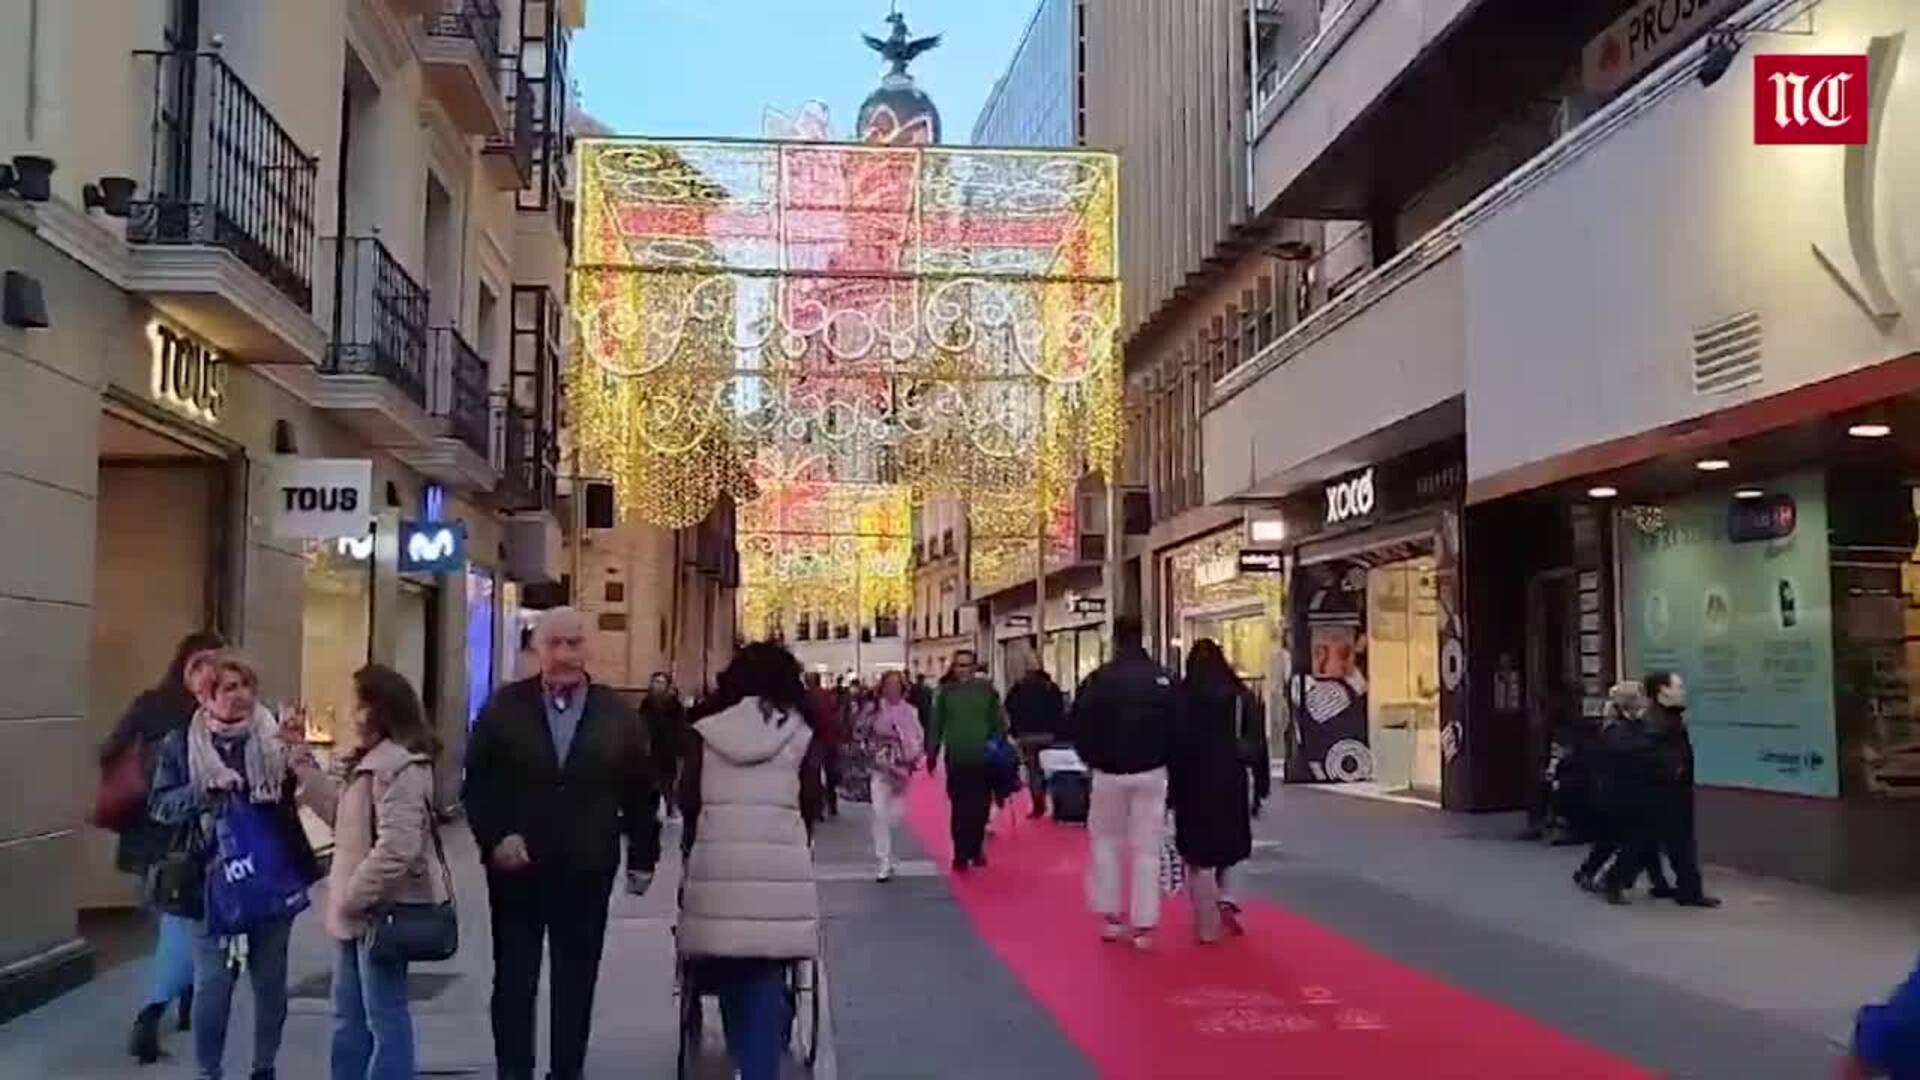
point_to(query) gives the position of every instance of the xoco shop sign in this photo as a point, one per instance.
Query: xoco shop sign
(321, 498)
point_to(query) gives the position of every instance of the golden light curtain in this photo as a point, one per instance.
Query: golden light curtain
(918, 320)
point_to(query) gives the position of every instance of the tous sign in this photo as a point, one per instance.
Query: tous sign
(1350, 498)
(188, 375)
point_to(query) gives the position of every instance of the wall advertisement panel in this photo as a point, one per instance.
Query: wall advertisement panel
(1735, 596)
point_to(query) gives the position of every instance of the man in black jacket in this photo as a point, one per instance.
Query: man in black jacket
(1035, 711)
(1125, 715)
(557, 776)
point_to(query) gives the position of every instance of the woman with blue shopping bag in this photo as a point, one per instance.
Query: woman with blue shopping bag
(228, 774)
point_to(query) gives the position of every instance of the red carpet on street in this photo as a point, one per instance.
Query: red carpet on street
(1288, 1000)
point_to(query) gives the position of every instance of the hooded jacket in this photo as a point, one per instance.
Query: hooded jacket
(748, 889)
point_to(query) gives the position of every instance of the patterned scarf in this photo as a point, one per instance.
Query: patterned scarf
(266, 755)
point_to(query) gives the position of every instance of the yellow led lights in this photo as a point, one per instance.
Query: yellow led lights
(827, 333)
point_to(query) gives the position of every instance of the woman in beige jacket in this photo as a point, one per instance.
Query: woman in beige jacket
(382, 820)
(750, 795)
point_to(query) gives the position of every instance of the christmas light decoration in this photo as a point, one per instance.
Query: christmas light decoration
(938, 318)
(829, 333)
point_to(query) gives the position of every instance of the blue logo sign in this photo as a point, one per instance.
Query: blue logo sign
(432, 547)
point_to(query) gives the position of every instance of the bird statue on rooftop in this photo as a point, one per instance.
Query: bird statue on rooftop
(899, 48)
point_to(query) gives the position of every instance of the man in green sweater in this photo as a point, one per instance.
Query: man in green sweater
(966, 716)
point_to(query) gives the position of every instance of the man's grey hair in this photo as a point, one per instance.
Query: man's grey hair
(557, 620)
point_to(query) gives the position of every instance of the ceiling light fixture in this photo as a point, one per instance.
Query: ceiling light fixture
(1870, 431)
(1602, 492)
(1713, 465)
(1749, 493)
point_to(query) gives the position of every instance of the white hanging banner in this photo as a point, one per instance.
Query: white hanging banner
(321, 498)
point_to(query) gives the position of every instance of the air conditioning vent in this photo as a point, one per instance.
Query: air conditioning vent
(1726, 355)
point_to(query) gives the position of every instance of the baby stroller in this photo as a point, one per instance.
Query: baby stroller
(803, 1013)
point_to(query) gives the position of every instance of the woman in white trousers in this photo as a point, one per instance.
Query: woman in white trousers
(888, 735)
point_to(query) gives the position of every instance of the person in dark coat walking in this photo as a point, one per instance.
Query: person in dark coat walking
(557, 777)
(666, 718)
(1672, 795)
(157, 713)
(1220, 733)
(1615, 799)
(1036, 711)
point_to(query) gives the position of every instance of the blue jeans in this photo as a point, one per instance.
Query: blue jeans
(753, 1013)
(372, 1029)
(213, 981)
(170, 971)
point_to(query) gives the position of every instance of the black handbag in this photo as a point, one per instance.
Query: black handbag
(176, 882)
(404, 933)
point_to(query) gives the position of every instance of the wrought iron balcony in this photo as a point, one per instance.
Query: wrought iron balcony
(224, 173)
(380, 320)
(460, 52)
(477, 21)
(524, 456)
(459, 397)
(508, 157)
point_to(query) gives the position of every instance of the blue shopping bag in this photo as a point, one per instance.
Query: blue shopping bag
(1003, 767)
(251, 878)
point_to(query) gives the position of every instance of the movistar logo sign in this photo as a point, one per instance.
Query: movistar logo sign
(432, 547)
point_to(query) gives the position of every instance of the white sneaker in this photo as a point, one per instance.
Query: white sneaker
(1112, 931)
(1143, 941)
(885, 874)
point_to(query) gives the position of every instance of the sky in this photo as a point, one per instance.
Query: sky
(713, 67)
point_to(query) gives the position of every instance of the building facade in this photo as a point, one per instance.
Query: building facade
(1037, 101)
(280, 359)
(1684, 449)
(943, 620)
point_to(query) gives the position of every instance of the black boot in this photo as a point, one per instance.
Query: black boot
(186, 1009)
(145, 1043)
(261, 1074)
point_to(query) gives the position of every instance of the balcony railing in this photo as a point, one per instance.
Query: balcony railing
(477, 21)
(380, 325)
(460, 390)
(224, 173)
(524, 457)
(515, 148)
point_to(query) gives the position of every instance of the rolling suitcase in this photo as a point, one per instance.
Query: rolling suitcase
(1068, 792)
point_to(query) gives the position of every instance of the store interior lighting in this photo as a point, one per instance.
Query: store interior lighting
(1873, 430)
(1713, 465)
(1602, 492)
(1749, 493)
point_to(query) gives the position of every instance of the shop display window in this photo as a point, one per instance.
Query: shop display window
(333, 636)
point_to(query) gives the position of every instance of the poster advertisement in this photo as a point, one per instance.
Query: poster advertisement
(1328, 694)
(1735, 596)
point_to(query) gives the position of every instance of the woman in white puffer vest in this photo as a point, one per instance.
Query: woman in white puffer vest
(750, 795)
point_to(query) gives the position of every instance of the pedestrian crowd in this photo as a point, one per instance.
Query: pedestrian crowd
(1625, 788)
(563, 786)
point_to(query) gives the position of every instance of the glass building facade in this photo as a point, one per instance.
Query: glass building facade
(1036, 101)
